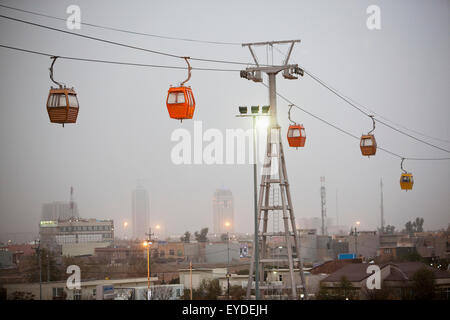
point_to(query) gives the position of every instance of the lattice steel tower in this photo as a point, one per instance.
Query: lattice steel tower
(274, 176)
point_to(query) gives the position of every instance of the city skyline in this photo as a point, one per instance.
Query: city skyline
(103, 159)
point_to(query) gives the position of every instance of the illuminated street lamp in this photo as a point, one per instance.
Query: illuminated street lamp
(255, 115)
(147, 244)
(125, 225)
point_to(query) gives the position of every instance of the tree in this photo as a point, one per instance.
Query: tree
(160, 293)
(409, 227)
(419, 224)
(208, 290)
(424, 284)
(389, 229)
(345, 289)
(414, 226)
(48, 267)
(237, 293)
(224, 237)
(186, 237)
(201, 237)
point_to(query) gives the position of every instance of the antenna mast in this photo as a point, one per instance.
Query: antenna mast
(381, 207)
(324, 205)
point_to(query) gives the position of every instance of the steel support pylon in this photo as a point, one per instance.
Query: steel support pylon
(274, 175)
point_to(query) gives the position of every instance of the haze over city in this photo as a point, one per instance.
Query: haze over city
(123, 131)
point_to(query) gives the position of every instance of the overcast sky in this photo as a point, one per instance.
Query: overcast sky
(123, 130)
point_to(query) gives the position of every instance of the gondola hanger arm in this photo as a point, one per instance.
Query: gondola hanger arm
(189, 71)
(373, 121)
(51, 72)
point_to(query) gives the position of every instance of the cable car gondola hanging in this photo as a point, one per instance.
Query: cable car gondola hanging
(368, 143)
(180, 100)
(406, 179)
(296, 133)
(62, 102)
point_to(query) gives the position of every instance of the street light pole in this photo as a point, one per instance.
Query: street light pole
(228, 265)
(255, 206)
(40, 271)
(243, 111)
(147, 244)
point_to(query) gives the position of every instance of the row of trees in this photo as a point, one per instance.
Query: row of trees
(199, 236)
(210, 290)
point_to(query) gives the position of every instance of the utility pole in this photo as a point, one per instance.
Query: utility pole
(337, 209)
(278, 178)
(48, 267)
(71, 202)
(38, 252)
(149, 242)
(323, 203)
(381, 207)
(190, 276)
(228, 266)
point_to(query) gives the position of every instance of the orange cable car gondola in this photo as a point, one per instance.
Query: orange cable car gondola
(296, 135)
(406, 179)
(368, 143)
(62, 102)
(180, 100)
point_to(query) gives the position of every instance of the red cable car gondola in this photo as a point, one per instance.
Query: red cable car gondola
(368, 144)
(62, 102)
(180, 100)
(296, 133)
(180, 103)
(296, 136)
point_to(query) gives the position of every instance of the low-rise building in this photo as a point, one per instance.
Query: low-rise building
(57, 290)
(396, 276)
(76, 236)
(197, 275)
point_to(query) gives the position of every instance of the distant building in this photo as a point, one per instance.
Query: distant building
(221, 252)
(75, 237)
(6, 259)
(365, 243)
(396, 276)
(310, 223)
(57, 290)
(140, 212)
(59, 210)
(19, 250)
(199, 274)
(223, 211)
(316, 248)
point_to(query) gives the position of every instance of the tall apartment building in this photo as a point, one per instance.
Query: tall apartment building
(223, 211)
(140, 218)
(59, 210)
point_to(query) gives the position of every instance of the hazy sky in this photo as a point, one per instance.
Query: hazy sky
(123, 131)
